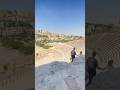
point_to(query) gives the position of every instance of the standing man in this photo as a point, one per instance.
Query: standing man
(91, 66)
(73, 53)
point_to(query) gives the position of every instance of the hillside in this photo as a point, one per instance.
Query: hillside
(105, 40)
(59, 52)
(45, 37)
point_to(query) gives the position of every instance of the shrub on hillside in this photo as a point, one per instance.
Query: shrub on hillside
(43, 45)
(10, 42)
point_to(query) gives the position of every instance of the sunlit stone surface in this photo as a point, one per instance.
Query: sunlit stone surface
(61, 75)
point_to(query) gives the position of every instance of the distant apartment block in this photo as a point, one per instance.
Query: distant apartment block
(16, 22)
(100, 28)
(45, 35)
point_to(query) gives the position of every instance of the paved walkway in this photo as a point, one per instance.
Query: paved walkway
(61, 76)
(71, 85)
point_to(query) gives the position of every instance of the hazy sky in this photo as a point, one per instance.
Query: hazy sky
(103, 11)
(64, 16)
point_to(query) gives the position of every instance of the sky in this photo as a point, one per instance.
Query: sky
(28, 5)
(62, 16)
(103, 11)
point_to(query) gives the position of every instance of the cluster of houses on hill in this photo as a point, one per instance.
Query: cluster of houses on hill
(45, 35)
(16, 22)
(100, 28)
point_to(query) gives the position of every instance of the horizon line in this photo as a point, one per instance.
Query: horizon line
(61, 33)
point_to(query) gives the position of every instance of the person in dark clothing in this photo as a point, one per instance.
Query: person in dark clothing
(91, 66)
(80, 52)
(110, 65)
(73, 53)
